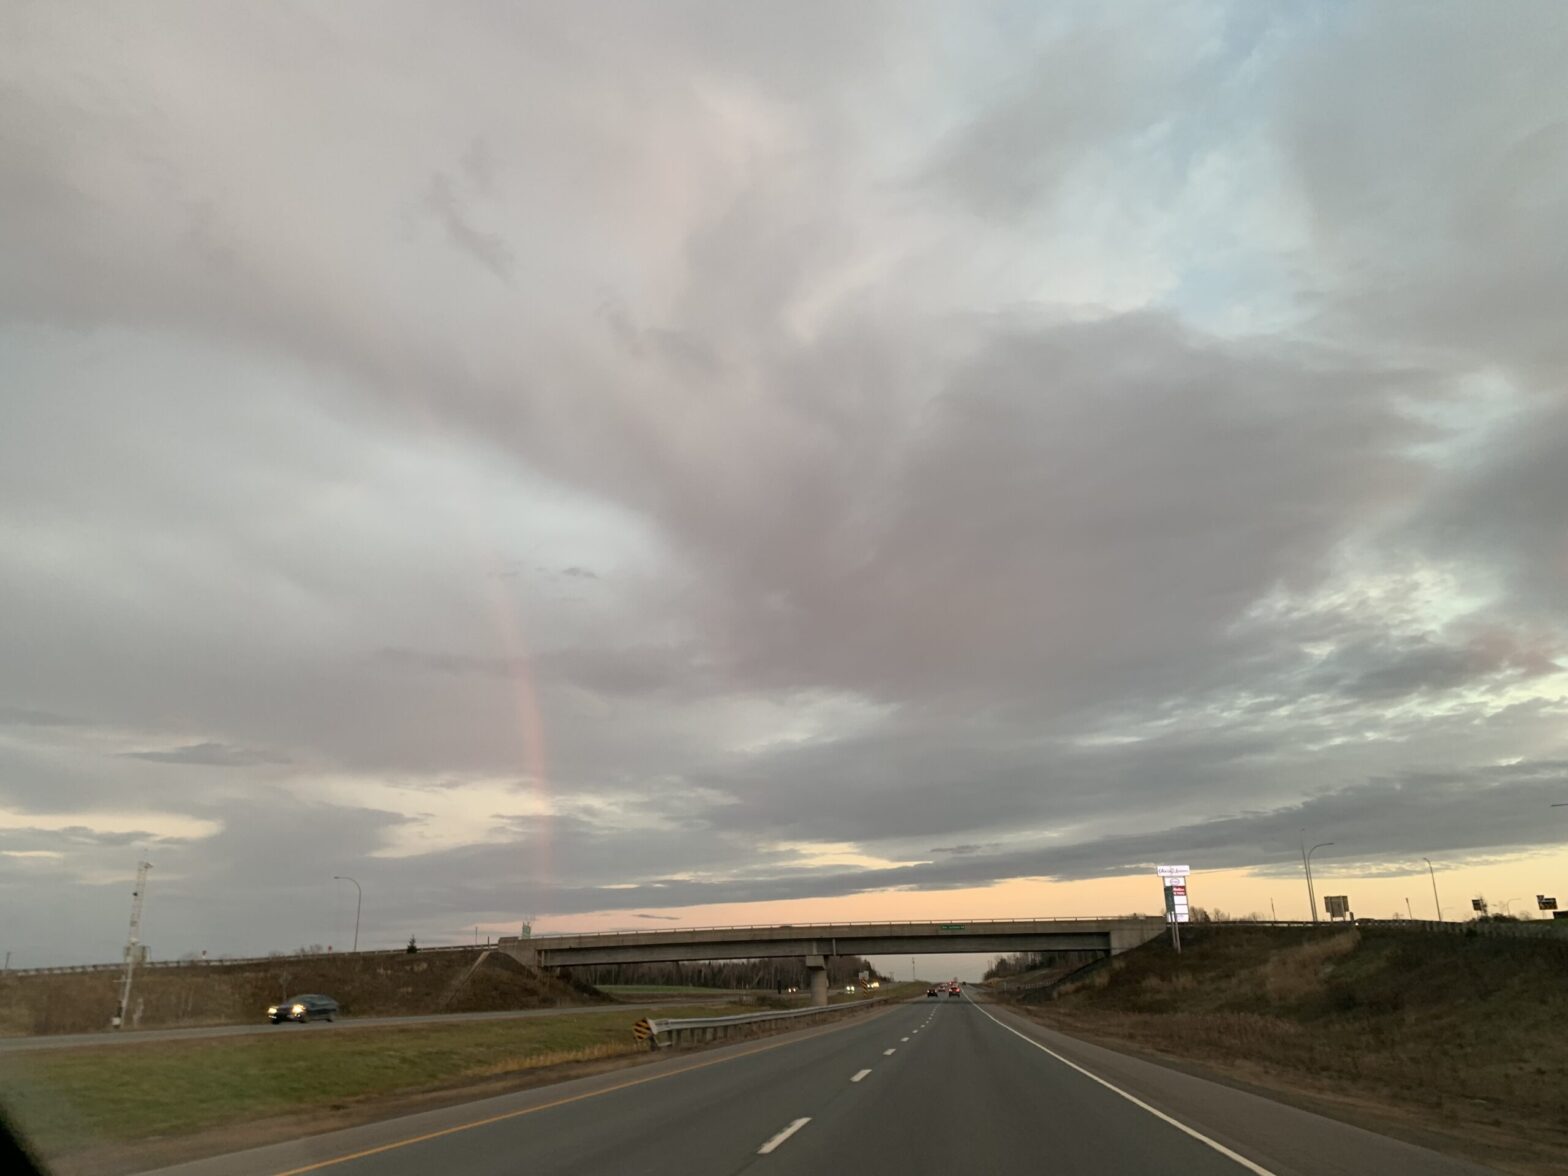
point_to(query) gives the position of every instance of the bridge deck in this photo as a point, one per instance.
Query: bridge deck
(1111, 935)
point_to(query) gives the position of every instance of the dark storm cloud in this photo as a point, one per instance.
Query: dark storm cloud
(697, 434)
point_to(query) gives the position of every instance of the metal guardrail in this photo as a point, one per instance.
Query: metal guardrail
(685, 1030)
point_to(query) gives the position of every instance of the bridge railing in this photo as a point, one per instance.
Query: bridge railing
(815, 929)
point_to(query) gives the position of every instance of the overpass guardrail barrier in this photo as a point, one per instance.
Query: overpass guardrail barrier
(662, 1032)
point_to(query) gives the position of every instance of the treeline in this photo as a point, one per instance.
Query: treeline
(1033, 961)
(774, 974)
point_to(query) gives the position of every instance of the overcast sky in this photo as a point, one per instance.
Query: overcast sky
(590, 460)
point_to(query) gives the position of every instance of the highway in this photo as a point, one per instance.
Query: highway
(342, 1024)
(939, 1086)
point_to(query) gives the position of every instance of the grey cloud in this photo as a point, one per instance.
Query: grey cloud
(1389, 670)
(608, 671)
(1084, 91)
(964, 850)
(766, 497)
(488, 249)
(21, 716)
(209, 754)
(1451, 243)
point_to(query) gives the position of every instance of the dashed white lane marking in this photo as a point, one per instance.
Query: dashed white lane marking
(905, 1038)
(887, 1053)
(1256, 1169)
(782, 1136)
(860, 1075)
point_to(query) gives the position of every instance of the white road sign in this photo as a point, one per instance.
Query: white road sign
(1173, 871)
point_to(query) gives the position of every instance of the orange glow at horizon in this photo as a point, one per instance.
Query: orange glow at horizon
(1515, 882)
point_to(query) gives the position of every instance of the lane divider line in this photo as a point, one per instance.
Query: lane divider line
(887, 1053)
(860, 1075)
(334, 1161)
(782, 1136)
(1255, 1169)
(905, 1038)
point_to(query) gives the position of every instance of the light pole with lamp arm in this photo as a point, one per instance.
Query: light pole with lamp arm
(359, 901)
(1433, 875)
(1306, 865)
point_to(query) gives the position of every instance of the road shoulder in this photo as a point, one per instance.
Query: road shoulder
(1190, 1090)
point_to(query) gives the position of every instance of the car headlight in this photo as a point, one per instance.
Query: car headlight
(271, 1009)
(297, 1009)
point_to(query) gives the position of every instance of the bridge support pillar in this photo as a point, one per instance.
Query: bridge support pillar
(817, 970)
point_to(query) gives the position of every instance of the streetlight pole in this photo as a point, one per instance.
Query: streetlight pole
(1312, 906)
(1433, 875)
(359, 901)
(1311, 893)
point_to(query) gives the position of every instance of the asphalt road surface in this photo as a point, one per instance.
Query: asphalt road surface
(940, 1086)
(132, 1036)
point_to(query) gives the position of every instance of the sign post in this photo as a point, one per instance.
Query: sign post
(1176, 913)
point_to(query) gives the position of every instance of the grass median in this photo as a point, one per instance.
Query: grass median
(67, 1100)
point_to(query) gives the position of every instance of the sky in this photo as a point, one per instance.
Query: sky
(622, 465)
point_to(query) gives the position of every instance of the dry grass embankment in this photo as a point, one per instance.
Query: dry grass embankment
(1457, 1042)
(225, 994)
(77, 1099)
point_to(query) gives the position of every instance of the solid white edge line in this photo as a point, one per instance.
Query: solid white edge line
(860, 1075)
(1256, 1169)
(782, 1136)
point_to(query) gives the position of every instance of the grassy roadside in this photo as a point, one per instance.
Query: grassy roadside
(69, 1100)
(1459, 1044)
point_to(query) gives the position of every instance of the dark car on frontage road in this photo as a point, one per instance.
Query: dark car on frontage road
(312, 1006)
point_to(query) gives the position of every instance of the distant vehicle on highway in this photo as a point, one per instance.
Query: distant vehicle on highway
(932, 992)
(312, 1006)
(953, 990)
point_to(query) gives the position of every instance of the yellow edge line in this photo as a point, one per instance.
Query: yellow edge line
(560, 1102)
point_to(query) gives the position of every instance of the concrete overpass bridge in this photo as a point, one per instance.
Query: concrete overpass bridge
(817, 941)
